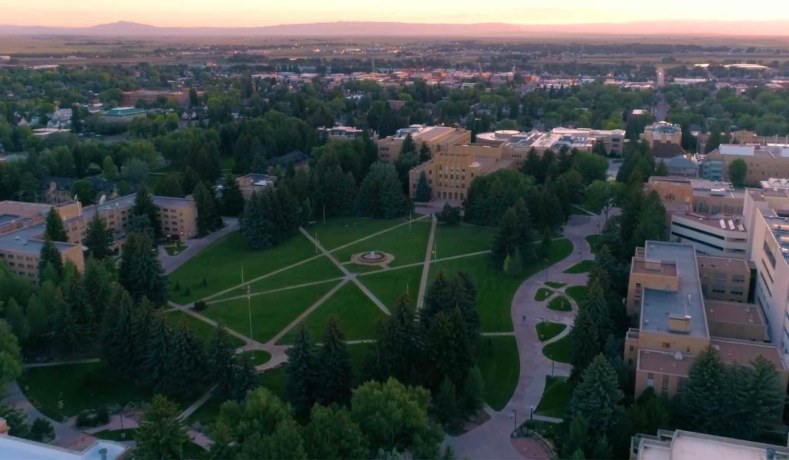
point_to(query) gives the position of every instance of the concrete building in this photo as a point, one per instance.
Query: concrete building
(763, 161)
(437, 138)
(687, 445)
(342, 133)
(450, 172)
(131, 98)
(13, 448)
(676, 323)
(682, 166)
(685, 194)
(22, 227)
(725, 237)
(662, 132)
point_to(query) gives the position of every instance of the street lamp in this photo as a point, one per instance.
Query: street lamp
(514, 419)
(531, 412)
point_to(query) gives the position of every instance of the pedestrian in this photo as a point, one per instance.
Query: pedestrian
(524, 318)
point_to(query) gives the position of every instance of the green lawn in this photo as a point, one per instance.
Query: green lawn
(555, 397)
(201, 329)
(558, 351)
(593, 241)
(462, 239)
(555, 284)
(542, 294)
(581, 267)
(79, 387)
(497, 358)
(315, 270)
(270, 312)
(577, 293)
(390, 285)
(340, 231)
(560, 303)
(220, 265)
(406, 244)
(494, 290)
(357, 314)
(547, 330)
(256, 357)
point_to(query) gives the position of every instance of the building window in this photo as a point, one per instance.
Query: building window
(651, 380)
(666, 345)
(664, 386)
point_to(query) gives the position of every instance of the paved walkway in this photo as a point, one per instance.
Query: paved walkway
(420, 299)
(492, 439)
(195, 245)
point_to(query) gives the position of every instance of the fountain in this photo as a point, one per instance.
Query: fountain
(372, 257)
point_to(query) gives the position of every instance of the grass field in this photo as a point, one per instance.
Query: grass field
(357, 314)
(581, 267)
(558, 351)
(547, 330)
(462, 239)
(542, 294)
(555, 284)
(201, 329)
(270, 312)
(555, 397)
(560, 303)
(577, 293)
(495, 291)
(78, 387)
(319, 269)
(220, 265)
(406, 243)
(390, 285)
(340, 231)
(497, 359)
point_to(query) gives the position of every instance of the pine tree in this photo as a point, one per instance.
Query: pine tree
(305, 213)
(54, 227)
(334, 366)
(446, 403)
(514, 264)
(37, 318)
(584, 344)
(97, 287)
(763, 398)
(156, 351)
(17, 320)
(144, 207)
(451, 353)
(49, 257)
(98, 238)
(598, 398)
(161, 433)
(185, 360)
(302, 375)
(438, 297)
(232, 198)
(474, 391)
(423, 191)
(396, 345)
(141, 272)
(507, 237)
(220, 363)
(244, 378)
(208, 218)
(116, 336)
(141, 330)
(256, 227)
(597, 307)
(68, 333)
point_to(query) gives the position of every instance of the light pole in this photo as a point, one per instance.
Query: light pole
(249, 309)
(514, 419)
(531, 412)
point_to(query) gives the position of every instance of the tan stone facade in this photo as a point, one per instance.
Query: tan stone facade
(437, 138)
(763, 161)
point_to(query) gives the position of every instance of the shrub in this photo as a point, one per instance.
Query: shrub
(41, 430)
(449, 215)
(199, 305)
(187, 291)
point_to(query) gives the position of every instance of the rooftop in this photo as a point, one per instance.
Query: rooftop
(687, 445)
(658, 306)
(17, 448)
(716, 222)
(663, 127)
(743, 352)
(721, 311)
(755, 150)
(123, 112)
(663, 362)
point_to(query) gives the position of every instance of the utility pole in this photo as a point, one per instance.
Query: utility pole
(249, 309)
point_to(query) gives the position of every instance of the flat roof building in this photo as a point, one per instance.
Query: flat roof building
(662, 132)
(687, 445)
(437, 138)
(764, 161)
(13, 448)
(685, 303)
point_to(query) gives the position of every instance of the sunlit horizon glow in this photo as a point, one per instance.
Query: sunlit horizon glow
(251, 13)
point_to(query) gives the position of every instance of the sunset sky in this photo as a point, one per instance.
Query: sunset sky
(242, 13)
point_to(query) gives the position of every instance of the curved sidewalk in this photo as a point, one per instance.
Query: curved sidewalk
(492, 439)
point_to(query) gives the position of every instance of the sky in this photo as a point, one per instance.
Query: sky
(247, 13)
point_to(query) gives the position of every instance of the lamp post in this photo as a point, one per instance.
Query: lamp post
(514, 419)
(531, 412)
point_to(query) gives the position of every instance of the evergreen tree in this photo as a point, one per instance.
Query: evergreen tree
(288, 209)
(704, 395)
(220, 363)
(155, 366)
(16, 320)
(381, 194)
(513, 264)
(302, 375)
(584, 343)
(474, 391)
(244, 378)
(597, 307)
(116, 334)
(142, 318)
(506, 237)
(67, 331)
(140, 271)
(37, 318)
(598, 398)
(446, 403)
(334, 366)
(256, 227)
(396, 345)
(10, 355)
(96, 287)
(208, 218)
(186, 365)
(762, 401)
(161, 433)
(577, 439)
(49, 258)
(305, 213)
(232, 198)
(98, 238)
(144, 207)
(54, 227)
(451, 353)
(423, 191)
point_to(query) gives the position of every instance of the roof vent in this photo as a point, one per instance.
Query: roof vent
(678, 356)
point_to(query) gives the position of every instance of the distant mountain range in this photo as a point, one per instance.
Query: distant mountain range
(394, 29)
